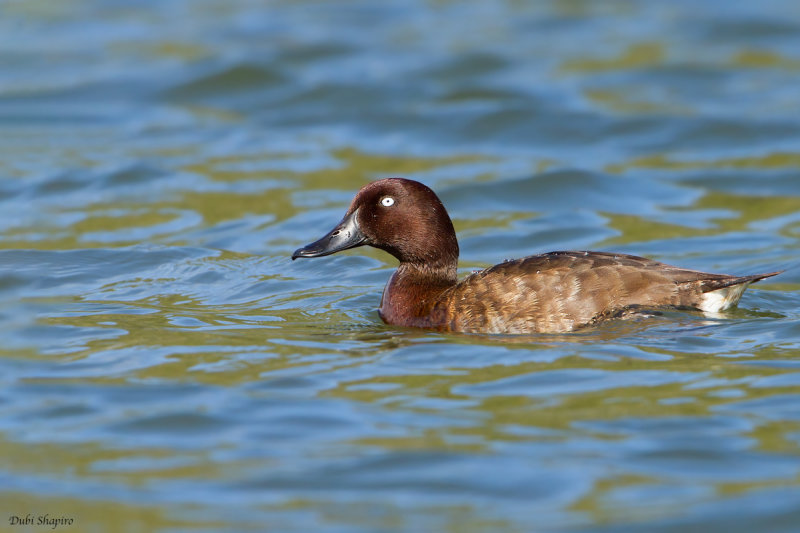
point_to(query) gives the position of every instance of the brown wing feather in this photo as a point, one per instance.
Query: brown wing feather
(562, 291)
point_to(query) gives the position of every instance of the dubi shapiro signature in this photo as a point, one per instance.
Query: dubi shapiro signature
(51, 522)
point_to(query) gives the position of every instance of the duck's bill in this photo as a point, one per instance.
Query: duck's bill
(344, 236)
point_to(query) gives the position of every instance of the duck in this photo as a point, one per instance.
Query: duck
(555, 292)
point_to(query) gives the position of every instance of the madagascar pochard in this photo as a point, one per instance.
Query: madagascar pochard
(549, 293)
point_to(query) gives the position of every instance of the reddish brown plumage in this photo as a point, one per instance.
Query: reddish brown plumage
(553, 293)
(562, 291)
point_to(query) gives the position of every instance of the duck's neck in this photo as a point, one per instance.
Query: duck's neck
(412, 291)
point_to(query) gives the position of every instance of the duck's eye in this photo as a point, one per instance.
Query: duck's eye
(387, 201)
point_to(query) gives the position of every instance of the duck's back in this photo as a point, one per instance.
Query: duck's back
(563, 291)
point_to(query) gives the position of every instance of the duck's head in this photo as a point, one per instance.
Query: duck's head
(400, 216)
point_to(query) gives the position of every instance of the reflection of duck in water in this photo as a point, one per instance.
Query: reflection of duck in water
(549, 293)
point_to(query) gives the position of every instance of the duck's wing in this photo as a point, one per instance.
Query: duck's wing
(562, 291)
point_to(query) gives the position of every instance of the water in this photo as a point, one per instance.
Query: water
(166, 367)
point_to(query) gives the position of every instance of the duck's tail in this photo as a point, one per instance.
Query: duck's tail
(723, 293)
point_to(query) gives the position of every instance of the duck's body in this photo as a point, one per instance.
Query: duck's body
(549, 293)
(554, 293)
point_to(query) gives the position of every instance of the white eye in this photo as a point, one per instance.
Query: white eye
(387, 201)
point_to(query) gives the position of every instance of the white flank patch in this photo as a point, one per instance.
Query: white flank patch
(721, 299)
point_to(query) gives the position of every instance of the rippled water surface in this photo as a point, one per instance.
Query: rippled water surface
(166, 367)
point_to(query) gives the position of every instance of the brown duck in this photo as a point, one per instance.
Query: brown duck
(550, 293)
